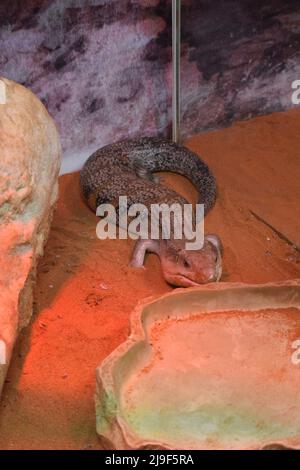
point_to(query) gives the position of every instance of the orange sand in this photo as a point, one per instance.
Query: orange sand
(86, 291)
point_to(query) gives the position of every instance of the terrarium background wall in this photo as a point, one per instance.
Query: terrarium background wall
(103, 68)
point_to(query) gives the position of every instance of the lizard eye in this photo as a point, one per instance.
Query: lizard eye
(186, 263)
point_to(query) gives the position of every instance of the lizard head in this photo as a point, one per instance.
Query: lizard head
(185, 268)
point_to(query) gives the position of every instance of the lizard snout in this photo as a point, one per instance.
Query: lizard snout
(192, 268)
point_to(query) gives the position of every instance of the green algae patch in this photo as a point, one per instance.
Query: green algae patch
(208, 423)
(106, 410)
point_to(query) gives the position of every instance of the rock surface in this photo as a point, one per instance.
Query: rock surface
(29, 164)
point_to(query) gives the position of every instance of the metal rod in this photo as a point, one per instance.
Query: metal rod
(176, 41)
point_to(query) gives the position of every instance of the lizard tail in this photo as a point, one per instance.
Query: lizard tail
(156, 155)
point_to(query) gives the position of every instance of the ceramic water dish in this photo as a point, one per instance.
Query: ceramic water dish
(214, 367)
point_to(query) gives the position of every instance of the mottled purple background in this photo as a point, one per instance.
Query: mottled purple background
(103, 67)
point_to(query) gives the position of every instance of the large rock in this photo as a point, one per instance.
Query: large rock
(29, 163)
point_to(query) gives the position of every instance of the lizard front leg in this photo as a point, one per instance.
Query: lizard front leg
(140, 249)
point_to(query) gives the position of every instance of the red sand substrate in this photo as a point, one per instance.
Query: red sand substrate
(86, 291)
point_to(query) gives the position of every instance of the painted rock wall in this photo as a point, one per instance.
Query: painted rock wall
(103, 67)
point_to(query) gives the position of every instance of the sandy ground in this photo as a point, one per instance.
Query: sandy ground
(86, 291)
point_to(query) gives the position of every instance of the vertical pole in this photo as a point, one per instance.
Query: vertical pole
(176, 41)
